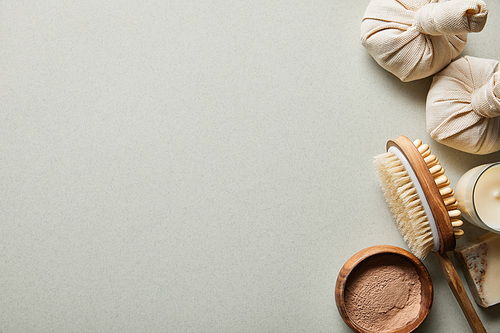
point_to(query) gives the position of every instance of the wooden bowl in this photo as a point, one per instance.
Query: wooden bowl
(370, 253)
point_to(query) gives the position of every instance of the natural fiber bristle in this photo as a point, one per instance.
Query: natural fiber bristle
(404, 202)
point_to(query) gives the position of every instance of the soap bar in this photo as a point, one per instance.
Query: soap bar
(480, 261)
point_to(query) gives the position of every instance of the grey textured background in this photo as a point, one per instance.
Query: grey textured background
(198, 166)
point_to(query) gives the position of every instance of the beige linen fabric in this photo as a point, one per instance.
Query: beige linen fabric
(414, 39)
(463, 105)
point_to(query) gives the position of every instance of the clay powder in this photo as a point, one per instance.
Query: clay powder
(383, 293)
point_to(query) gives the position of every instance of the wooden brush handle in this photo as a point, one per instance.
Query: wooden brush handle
(460, 294)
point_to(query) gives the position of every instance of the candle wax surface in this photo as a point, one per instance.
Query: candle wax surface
(487, 197)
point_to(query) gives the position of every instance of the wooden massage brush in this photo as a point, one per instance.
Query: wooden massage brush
(422, 202)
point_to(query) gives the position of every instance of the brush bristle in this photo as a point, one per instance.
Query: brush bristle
(404, 202)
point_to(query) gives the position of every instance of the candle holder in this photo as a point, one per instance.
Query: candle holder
(478, 195)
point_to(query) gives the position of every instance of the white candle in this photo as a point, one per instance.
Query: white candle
(478, 195)
(487, 196)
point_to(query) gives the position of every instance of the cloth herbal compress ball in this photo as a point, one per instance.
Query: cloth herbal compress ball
(414, 39)
(463, 105)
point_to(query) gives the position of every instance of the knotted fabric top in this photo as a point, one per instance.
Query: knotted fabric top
(414, 39)
(463, 105)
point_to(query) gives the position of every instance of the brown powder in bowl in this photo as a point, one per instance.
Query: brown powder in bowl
(383, 293)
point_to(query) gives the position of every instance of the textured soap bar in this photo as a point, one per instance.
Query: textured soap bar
(480, 261)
